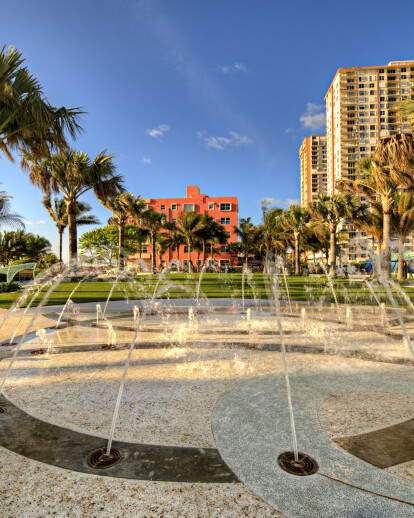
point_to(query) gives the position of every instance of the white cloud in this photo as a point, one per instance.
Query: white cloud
(158, 131)
(289, 130)
(236, 67)
(314, 117)
(286, 202)
(146, 160)
(235, 140)
(40, 222)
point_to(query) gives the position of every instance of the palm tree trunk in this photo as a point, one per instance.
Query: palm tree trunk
(400, 257)
(386, 249)
(154, 258)
(189, 256)
(121, 231)
(204, 252)
(332, 266)
(60, 245)
(297, 253)
(73, 235)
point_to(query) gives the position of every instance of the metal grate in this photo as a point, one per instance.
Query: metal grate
(38, 351)
(99, 460)
(303, 467)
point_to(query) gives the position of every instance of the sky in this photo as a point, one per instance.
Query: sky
(218, 94)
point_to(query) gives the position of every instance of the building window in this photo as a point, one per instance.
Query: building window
(174, 221)
(227, 234)
(173, 206)
(211, 206)
(225, 207)
(162, 207)
(188, 207)
(225, 221)
(224, 249)
(142, 250)
(186, 250)
(145, 207)
(362, 148)
(224, 262)
(372, 127)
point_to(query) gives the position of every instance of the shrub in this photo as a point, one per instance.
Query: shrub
(7, 287)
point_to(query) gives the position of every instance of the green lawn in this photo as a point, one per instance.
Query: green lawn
(212, 286)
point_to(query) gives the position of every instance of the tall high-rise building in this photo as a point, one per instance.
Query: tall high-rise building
(361, 109)
(313, 176)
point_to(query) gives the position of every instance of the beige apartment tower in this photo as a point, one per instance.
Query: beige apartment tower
(361, 109)
(313, 175)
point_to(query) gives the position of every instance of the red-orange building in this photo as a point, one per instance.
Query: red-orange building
(223, 209)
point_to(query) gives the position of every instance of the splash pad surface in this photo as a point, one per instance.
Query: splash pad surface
(179, 368)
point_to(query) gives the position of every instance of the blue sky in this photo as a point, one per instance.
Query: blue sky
(214, 93)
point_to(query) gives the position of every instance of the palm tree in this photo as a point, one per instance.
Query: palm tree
(373, 223)
(296, 221)
(72, 173)
(210, 232)
(218, 236)
(162, 245)
(123, 206)
(402, 223)
(190, 225)
(406, 109)
(153, 222)
(379, 183)
(175, 239)
(271, 228)
(7, 218)
(36, 247)
(27, 119)
(12, 246)
(397, 153)
(246, 233)
(57, 212)
(331, 211)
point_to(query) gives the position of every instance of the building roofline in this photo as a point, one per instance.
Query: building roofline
(393, 65)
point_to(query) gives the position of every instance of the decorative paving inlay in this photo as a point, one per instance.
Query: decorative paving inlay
(383, 448)
(45, 442)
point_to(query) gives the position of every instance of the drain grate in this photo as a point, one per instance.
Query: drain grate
(2, 410)
(38, 351)
(111, 346)
(303, 467)
(99, 460)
